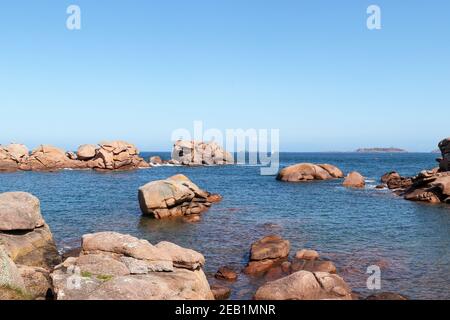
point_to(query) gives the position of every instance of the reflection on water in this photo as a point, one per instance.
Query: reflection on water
(353, 228)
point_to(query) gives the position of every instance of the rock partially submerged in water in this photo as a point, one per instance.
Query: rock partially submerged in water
(27, 242)
(266, 253)
(114, 266)
(196, 153)
(117, 155)
(11, 156)
(175, 196)
(308, 172)
(305, 285)
(354, 180)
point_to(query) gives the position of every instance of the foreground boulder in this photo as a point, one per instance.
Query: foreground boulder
(308, 172)
(28, 251)
(354, 180)
(305, 285)
(113, 266)
(200, 153)
(23, 231)
(175, 196)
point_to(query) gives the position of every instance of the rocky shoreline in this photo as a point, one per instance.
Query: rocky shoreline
(110, 265)
(107, 156)
(430, 186)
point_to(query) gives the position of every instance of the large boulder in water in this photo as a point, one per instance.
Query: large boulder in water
(354, 180)
(200, 153)
(305, 285)
(175, 196)
(114, 266)
(49, 158)
(309, 172)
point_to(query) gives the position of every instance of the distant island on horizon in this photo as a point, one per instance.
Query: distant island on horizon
(383, 150)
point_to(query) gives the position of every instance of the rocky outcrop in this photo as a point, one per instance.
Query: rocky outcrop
(305, 285)
(114, 155)
(267, 253)
(354, 180)
(444, 162)
(195, 153)
(28, 251)
(308, 172)
(431, 186)
(113, 266)
(226, 273)
(175, 196)
(11, 156)
(23, 232)
(117, 155)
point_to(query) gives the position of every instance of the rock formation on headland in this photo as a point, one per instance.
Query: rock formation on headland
(115, 155)
(309, 171)
(27, 250)
(381, 150)
(431, 186)
(175, 196)
(195, 153)
(114, 266)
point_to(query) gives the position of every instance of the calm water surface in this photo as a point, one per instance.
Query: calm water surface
(353, 228)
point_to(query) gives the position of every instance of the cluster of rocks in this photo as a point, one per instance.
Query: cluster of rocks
(109, 265)
(27, 250)
(302, 172)
(432, 186)
(305, 277)
(114, 155)
(196, 153)
(114, 266)
(174, 197)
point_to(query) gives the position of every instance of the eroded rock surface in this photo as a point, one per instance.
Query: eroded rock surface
(308, 172)
(175, 196)
(197, 153)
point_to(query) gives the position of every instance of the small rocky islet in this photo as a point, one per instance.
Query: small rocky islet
(111, 265)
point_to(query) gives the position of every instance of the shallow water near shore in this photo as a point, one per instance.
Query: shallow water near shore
(353, 228)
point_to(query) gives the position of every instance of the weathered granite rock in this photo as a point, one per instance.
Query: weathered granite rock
(11, 156)
(23, 232)
(354, 180)
(129, 246)
(117, 155)
(155, 160)
(308, 172)
(305, 285)
(175, 196)
(220, 292)
(444, 163)
(267, 253)
(200, 153)
(19, 211)
(38, 284)
(86, 152)
(49, 158)
(307, 254)
(226, 273)
(113, 266)
(11, 283)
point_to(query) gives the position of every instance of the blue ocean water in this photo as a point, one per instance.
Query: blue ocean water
(353, 228)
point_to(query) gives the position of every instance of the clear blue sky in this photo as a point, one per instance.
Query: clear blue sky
(139, 69)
